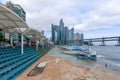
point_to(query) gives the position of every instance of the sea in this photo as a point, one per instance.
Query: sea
(109, 55)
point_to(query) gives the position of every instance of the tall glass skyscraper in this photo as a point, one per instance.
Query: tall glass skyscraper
(61, 34)
(71, 36)
(55, 34)
(66, 35)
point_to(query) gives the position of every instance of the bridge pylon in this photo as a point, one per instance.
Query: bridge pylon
(90, 43)
(103, 42)
(118, 42)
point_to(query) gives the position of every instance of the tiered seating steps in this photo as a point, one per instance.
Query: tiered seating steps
(13, 63)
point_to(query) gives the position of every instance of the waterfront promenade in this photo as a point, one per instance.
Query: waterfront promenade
(66, 70)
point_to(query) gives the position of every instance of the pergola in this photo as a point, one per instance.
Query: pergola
(10, 22)
(35, 34)
(45, 41)
(38, 37)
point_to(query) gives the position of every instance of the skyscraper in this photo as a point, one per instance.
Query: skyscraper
(55, 34)
(82, 39)
(61, 34)
(71, 36)
(66, 35)
(62, 31)
(78, 39)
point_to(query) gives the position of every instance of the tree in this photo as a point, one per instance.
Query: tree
(2, 39)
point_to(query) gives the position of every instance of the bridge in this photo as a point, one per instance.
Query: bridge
(103, 40)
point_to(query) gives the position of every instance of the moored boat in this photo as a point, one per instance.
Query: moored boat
(87, 56)
(93, 57)
(82, 56)
(80, 52)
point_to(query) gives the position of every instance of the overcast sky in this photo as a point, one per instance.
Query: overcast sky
(94, 18)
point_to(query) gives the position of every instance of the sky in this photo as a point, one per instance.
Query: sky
(93, 18)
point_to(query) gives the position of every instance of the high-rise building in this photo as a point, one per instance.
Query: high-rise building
(78, 39)
(17, 9)
(55, 34)
(82, 39)
(71, 36)
(61, 34)
(66, 35)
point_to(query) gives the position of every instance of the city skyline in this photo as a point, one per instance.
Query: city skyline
(61, 34)
(94, 19)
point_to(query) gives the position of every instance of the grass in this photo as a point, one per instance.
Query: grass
(43, 51)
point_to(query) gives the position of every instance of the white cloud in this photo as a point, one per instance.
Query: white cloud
(106, 15)
(82, 14)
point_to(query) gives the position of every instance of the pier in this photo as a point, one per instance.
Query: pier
(103, 40)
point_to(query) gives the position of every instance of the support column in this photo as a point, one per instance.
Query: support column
(118, 42)
(11, 41)
(90, 43)
(29, 43)
(36, 45)
(22, 31)
(103, 42)
(22, 43)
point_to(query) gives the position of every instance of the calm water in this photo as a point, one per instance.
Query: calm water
(109, 55)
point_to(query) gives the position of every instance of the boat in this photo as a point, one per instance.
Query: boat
(80, 52)
(87, 55)
(82, 56)
(93, 57)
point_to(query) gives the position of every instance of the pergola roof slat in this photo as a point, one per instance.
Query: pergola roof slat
(2, 16)
(13, 17)
(10, 19)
